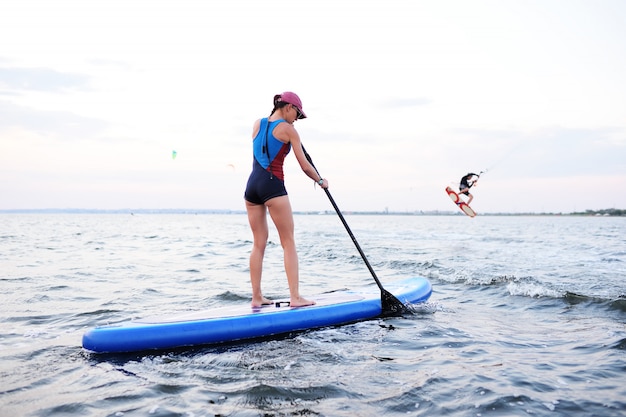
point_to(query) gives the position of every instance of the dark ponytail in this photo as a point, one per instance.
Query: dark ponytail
(278, 104)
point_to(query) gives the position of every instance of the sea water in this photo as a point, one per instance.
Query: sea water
(527, 316)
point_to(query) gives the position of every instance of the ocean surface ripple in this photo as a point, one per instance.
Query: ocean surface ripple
(527, 317)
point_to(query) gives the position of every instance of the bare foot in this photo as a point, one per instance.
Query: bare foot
(261, 302)
(301, 302)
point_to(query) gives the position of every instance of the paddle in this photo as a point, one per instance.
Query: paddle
(390, 304)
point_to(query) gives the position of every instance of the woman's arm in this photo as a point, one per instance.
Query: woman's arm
(289, 133)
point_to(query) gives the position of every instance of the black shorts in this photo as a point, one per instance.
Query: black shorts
(263, 186)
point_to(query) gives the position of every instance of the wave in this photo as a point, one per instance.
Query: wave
(534, 288)
(231, 297)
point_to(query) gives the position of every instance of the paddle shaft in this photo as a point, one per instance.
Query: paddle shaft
(358, 247)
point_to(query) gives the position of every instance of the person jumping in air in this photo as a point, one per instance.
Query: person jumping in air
(466, 183)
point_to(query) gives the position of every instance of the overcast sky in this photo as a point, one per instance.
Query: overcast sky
(403, 98)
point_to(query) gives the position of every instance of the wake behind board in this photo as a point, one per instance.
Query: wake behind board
(465, 208)
(242, 322)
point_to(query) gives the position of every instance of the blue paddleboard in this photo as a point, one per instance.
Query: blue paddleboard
(241, 322)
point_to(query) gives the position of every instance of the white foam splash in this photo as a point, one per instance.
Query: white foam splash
(532, 289)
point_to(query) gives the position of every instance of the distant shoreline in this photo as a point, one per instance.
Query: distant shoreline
(604, 212)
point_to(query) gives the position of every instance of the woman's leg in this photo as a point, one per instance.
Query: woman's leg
(257, 218)
(282, 216)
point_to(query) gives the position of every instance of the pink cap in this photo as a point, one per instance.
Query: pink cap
(291, 98)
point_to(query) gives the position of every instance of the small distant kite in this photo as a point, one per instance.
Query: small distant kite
(174, 154)
(232, 166)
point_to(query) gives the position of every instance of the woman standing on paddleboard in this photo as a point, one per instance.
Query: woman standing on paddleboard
(272, 139)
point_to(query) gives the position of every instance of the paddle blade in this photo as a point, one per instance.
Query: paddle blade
(391, 305)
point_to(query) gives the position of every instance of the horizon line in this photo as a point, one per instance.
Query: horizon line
(606, 212)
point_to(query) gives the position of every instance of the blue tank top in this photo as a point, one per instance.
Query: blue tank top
(270, 152)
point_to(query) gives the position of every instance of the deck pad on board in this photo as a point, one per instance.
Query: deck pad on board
(243, 310)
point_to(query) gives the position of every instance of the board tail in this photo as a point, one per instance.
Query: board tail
(467, 209)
